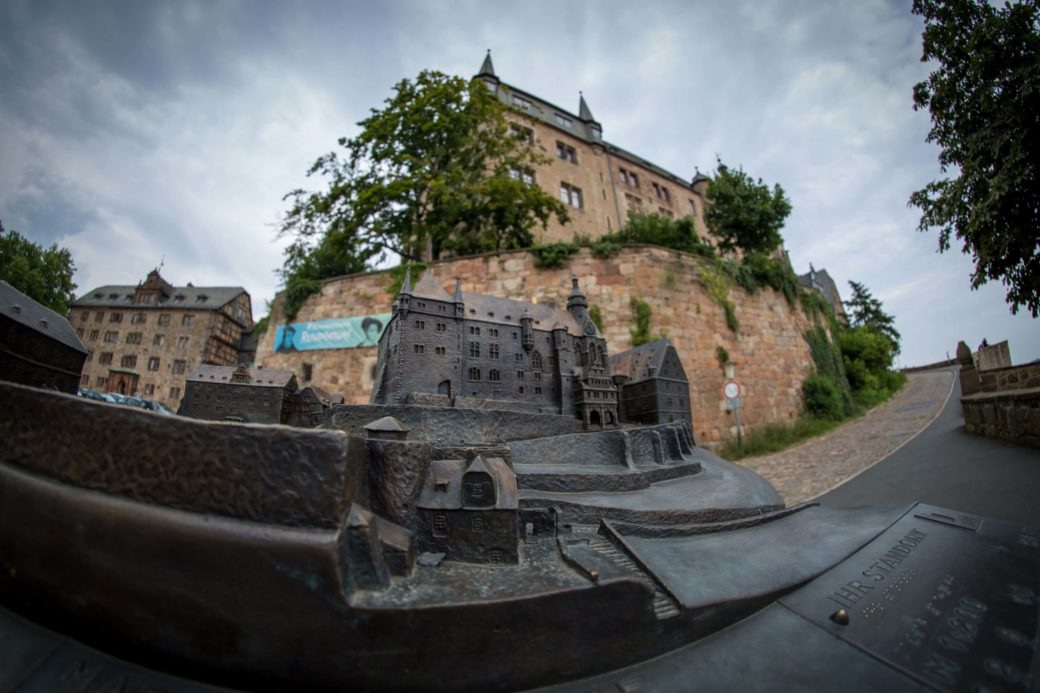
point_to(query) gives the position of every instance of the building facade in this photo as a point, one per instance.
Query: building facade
(38, 347)
(652, 384)
(599, 182)
(145, 339)
(475, 350)
(252, 395)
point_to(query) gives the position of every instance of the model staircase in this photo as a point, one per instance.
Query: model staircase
(664, 606)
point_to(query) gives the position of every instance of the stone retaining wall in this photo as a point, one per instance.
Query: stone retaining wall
(1013, 415)
(771, 356)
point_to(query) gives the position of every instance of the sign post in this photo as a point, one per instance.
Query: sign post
(732, 390)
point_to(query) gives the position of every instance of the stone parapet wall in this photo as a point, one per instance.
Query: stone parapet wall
(1011, 378)
(1012, 415)
(771, 355)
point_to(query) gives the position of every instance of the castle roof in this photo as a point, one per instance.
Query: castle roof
(583, 126)
(442, 485)
(188, 297)
(636, 363)
(18, 307)
(258, 377)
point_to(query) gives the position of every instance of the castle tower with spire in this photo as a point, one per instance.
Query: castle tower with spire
(600, 182)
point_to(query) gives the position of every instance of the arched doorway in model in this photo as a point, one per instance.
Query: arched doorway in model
(609, 417)
(444, 388)
(594, 419)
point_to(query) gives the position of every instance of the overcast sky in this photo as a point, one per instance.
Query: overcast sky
(138, 132)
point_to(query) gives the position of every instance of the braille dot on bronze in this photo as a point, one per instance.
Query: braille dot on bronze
(841, 617)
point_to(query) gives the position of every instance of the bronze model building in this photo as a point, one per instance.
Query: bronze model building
(652, 384)
(38, 347)
(476, 351)
(252, 395)
(145, 339)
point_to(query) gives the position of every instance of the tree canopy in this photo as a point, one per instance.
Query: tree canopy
(744, 213)
(984, 99)
(439, 168)
(866, 311)
(44, 275)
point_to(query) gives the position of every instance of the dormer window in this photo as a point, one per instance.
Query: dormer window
(179, 298)
(563, 121)
(201, 298)
(521, 103)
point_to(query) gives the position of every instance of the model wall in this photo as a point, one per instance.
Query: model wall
(771, 356)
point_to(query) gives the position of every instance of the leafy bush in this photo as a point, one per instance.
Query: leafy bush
(640, 331)
(549, 255)
(397, 275)
(828, 360)
(823, 400)
(596, 317)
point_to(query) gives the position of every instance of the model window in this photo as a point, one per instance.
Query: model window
(474, 374)
(493, 332)
(478, 523)
(420, 324)
(571, 195)
(420, 348)
(474, 348)
(493, 351)
(538, 389)
(494, 376)
(439, 351)
(442, 327)
(518, 357)
(440, 525)
(536, 361)
(519, 375)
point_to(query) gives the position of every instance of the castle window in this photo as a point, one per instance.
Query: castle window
(153, 363)
(474, 374)
(563, 121)
(100, 381)
(138, 319)
(179, 366)
(99, 316)
(158, 340)
(83, 316)
(521, 103)
(635, 204)
(693, 207)
(115, 317)
(187, 320)
(182, 342)
(524, 175)
(94, 335)
(628, 177)
(164, 319)
(149, 389)
(79, 332)
(665, 212)
(128, 361)
(420, 348)
(133, 337)
(523, 134)
(474, 348)
(493, 351)
(494, 376)
(439, 351)
(519, 375)
(420, 324)
(661, 192)
(111, 336)
(442, 327)
(566, 152)
(570, 195)
(105, 358)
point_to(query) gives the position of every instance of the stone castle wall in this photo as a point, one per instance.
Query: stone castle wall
(771, 356)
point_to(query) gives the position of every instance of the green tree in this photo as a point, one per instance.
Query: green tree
(743, 213)
(44, 275)
(439, 168)
(866, 311)
(984, 99)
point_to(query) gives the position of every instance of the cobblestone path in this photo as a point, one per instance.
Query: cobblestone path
(807, 470)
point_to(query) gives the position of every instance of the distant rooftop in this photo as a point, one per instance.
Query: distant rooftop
(18, 307)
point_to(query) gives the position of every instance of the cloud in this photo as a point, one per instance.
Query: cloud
(134, 131)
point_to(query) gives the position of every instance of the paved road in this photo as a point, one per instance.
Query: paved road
(946, 466)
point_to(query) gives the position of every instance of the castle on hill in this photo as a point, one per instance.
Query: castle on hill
(487, 352)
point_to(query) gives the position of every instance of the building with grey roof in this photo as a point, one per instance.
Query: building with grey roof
(252, 395)
(652, 384)
(821, 281)
(600, 182)
(145, 339)
(38, 347)
(477, 351)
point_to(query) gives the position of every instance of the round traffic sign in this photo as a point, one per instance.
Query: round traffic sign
(731, 389)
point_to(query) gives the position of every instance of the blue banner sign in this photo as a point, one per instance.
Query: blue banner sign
(339, 333)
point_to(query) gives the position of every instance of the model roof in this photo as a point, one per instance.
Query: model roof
(18, 307)
(258, 377)
(442, 486)
(636, 363)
